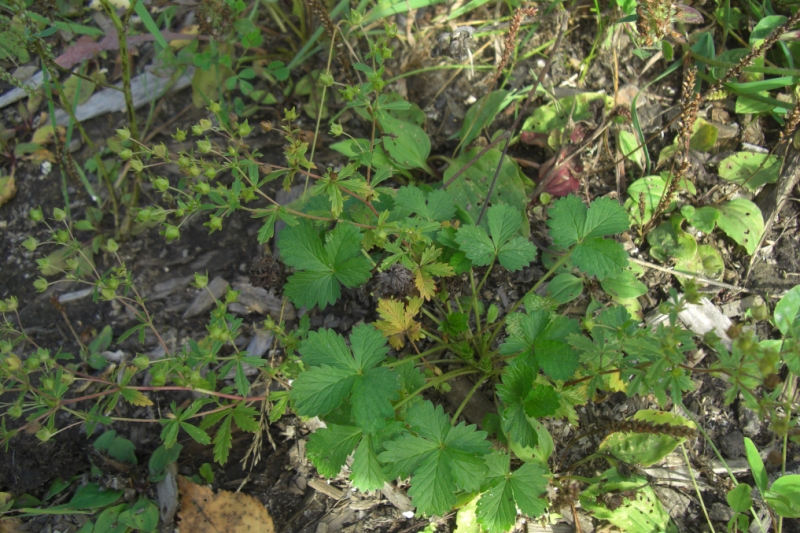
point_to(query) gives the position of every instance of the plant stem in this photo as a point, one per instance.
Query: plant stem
(466, 399)
(435, 382)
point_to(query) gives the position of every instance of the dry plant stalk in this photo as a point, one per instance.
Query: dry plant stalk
(316, 8)
(746, 60)
(792, 122)
(690, 106)
(511, 38)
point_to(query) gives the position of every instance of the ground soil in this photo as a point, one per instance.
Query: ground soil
(298, 499)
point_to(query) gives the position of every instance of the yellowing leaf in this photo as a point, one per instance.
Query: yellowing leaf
(137, 398)
(398, 320)
(45, 134)
(425, 284)
(177, 44)
(425, 271)
(8, 189)
(202, 510)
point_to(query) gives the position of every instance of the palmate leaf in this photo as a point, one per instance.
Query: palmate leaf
(600, 257)
(502, 241)
(398, 320)
(367, 471)
(321, 268)
(371, 404)
(336, 374)
(441, 459)
(516, 383)
(328, 448)
(435, 205)
(320, 390)
(476, 244)
(506, 491)
(571, 224)
(570, 221)
(543, 335)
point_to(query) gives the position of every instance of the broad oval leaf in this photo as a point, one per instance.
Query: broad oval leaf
(741, 220)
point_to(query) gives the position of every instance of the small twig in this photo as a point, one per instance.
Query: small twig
(789, 178)
(697, 277)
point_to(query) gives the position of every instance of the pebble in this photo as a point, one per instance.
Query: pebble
(204, 301)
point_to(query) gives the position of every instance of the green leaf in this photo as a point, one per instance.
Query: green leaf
(240, 379)
(629, 146)
(756, 465)
(441, 458)
(469, 190)
(223, 440)
(246, 418)
(645, 448)
(703, 218)
(92, 496)
(436, 205)
(141, 516)
(301, 248)
(267, 229)
(541, 401)
(557, 359)
(369, 346)
(497, 507)
(343, 246)
(739, 498)
(117, 447)
(564, 288)
(600, 257)
(162, 456)
(320, 390)
(516, 254)
(517, 380)
(635, 508)
(750, 169)
(371, 398)
(644, 196)
(406, 143)
(544, 336)
(704, 135)
(336, 373)
(480, 115)
(367, 473)
(570, 221)
(196, 433)
(787, 311)
(504, 222)
(623, 285)
(328, 448)
(557, 114)
(741, 220)
(566, 220)
(668, 241)
(326, 347)
(321, 268)
(784, 496)
(476, 245)
(604, 217)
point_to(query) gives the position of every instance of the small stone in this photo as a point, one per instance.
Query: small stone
(260, 343)
(732, 444)
(720, 512)
(204, 301)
